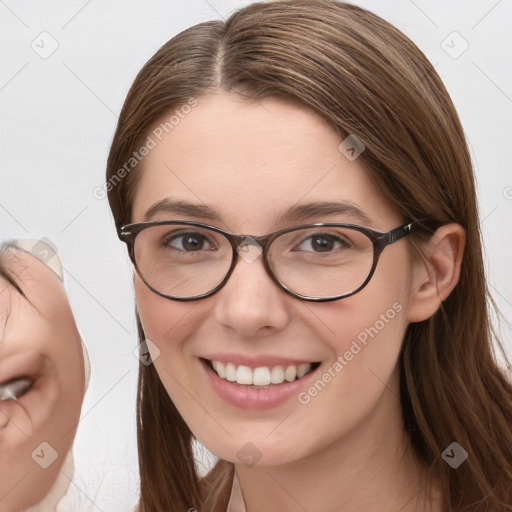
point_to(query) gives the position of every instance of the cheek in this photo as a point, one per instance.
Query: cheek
(165, 322)
(373, 334)
(365, 334)
(370, 325)
(167, 325)
(365, 338)
(357, 377)
(169, 328)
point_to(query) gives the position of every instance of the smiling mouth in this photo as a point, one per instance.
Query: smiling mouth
(262, 377)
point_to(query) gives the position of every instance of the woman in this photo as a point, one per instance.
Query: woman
(337, 353)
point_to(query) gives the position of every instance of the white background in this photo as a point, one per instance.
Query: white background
(57, 120)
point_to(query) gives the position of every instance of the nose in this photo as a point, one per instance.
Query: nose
(251, 303)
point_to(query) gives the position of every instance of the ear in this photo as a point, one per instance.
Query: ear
(438, 273)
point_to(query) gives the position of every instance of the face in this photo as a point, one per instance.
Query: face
(251, 163)
(38, 340)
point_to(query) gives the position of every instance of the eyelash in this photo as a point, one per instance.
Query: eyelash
(329, 236)
(175, 236)
(167, 242)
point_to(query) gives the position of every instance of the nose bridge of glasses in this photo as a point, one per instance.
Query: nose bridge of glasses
(243, 245)
(260, 240)
(248, 248)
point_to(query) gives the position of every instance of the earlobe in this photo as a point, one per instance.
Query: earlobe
(437, 275)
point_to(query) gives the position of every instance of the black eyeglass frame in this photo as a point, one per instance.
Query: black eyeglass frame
(379, 240)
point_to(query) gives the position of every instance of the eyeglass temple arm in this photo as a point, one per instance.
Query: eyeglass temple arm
(124, 234)
(398, 233)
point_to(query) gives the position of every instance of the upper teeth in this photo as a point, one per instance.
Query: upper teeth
(262, 376)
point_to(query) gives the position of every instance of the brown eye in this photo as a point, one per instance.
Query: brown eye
(323, 242)
(188, 242)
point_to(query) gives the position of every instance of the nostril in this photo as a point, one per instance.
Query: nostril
(15, 388)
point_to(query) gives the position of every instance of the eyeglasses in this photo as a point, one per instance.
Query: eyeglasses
(183, 260)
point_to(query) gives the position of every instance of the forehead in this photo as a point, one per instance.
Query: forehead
(251, 160)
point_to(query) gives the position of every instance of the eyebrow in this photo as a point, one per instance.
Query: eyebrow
(303, 212)
(296, 213)
(201, 211)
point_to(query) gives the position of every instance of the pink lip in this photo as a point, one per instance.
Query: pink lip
(255, 362)
(245, 397)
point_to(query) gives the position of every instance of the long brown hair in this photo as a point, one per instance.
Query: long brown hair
(367, 79)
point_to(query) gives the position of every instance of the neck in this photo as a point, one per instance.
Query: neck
(371, 468)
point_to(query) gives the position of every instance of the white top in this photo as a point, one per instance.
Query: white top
(236, 500)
